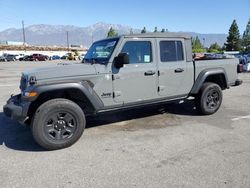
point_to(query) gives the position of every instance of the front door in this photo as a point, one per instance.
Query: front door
(136, 81)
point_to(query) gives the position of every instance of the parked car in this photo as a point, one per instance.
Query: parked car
(25, 58)
(74, 55)
(242, 58)
(55, 57)
(64, 57)
(247, 58)
(28, 58)
(39, 57)
(18, 56)
(8, 57)
(11, 57)
(246, 67)
(244, 62)
(2, 58)
(34, 57)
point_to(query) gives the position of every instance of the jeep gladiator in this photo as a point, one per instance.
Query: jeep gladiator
(117, 73)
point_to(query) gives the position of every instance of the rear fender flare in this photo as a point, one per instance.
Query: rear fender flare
(204, 75)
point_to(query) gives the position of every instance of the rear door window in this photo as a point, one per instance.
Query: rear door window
(171, 51)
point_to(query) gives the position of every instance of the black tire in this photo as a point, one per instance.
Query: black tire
(209, 99)
(57, 124)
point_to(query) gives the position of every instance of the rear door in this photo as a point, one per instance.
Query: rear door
(136, 81)
(173, 70)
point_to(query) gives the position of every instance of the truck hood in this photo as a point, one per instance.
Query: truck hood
(60, 71)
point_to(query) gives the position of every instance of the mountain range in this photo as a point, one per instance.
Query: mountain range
(44, 34)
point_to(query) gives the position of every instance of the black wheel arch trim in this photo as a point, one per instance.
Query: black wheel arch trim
(204, 75)
(83, 86)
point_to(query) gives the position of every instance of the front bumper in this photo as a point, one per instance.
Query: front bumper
(17, 109)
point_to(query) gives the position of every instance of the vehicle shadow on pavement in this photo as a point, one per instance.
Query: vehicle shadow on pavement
(16, 136)
(19, 137)
(186, 109)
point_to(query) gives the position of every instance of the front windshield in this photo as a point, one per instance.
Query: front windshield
(101, 51)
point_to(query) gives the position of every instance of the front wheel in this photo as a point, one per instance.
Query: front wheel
(209, 98)
(57, 124)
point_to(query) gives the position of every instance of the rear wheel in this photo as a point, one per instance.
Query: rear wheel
(58, 124)
(209, 98)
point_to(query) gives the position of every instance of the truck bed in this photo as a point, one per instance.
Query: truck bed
(229, 65)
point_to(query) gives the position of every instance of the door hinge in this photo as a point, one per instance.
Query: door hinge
(115, 76)
(117, 94)
(159, 73)
(160, 88)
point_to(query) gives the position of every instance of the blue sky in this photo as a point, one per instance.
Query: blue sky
(204, 16)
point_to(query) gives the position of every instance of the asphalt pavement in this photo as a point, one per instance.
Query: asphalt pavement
(162, 146)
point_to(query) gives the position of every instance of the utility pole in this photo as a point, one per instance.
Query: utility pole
(68, 40)
(24, 40)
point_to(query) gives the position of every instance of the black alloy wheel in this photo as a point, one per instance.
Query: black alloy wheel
(58, 123)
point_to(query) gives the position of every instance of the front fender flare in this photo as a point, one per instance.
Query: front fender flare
(83, 86)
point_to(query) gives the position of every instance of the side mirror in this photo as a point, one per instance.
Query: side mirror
(121, 59)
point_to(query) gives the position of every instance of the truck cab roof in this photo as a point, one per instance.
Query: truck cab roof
(159, 35)
(152, 35)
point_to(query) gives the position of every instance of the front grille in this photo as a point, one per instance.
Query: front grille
(23, 83)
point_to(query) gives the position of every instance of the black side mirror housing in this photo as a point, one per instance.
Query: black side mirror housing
(121, 59)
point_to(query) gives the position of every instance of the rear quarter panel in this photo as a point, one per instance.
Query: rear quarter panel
(229, 65)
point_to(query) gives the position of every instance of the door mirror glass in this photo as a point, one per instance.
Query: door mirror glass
(121, 59)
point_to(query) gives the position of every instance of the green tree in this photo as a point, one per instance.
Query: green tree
(223, 48)
(197, 47)
(246, 38)
(233, 40)
(155, 30)
(163, 30)
(112, 33)
(214, 48)
(144, 30)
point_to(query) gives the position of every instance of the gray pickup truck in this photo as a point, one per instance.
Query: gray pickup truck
(117, 73)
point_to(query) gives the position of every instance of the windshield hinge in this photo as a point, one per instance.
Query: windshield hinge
(32, 80)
